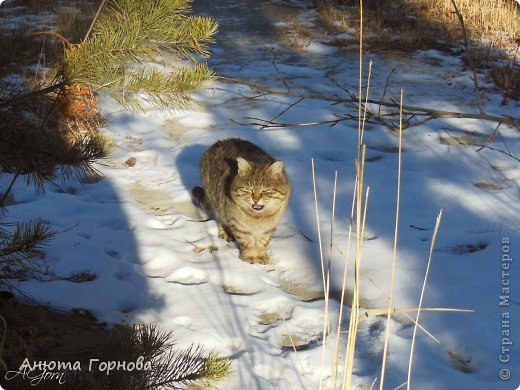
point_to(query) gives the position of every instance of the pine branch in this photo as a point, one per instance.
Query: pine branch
(37, 154)
(14, 99)
(21, 247)
(176, 370)
(129, 37)
(158, 88)
(170, 369)
(7, 192)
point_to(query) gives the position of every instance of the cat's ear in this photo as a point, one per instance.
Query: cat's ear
(244, 167)
(276, 169)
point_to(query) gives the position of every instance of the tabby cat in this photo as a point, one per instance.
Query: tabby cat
(248, 192)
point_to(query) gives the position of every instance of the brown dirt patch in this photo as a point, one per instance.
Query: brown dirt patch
(40, 334)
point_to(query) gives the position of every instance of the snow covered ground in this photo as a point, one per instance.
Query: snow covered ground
(158, 261)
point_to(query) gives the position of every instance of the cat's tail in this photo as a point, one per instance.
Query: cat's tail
(200, 199)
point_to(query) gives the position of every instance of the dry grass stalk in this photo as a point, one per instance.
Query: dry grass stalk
(343, 290)
(507, 77)
(326, 323)
(396, 233)
(360, 222)
(434, 237)
(325, 274)
(404, 310)
(361, 211)
(295, 349)
(355, 307)
(423, 24)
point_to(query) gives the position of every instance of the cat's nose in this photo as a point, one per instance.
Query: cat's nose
(255, 197)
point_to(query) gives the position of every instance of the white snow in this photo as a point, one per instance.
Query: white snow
(157, 261)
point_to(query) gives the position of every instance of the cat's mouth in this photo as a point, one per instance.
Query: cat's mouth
(257, 206)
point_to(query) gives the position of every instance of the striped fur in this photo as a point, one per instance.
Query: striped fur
(248, 192)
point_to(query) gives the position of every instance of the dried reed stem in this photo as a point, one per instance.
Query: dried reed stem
(394, 256)
(343, 290)
(478, 95)
(325, 276)
(434, 237)
(353, 323)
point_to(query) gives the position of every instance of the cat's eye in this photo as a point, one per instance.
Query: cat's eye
(243, 191)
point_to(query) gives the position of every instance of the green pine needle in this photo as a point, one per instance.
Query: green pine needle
(20, 248)
(130, 43)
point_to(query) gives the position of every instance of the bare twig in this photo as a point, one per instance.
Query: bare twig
(101, 6)
(281, 76)
(33, 94)
(490, 139)
(386, 87)
(286, 109)
(478, 95)
(415, 111)
(394, 256)
(508, 154)
(423, 289)
(2, 362)
(9, 188)
(296, 229)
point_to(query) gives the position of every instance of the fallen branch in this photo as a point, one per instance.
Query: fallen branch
(407, 111)
(420, 111)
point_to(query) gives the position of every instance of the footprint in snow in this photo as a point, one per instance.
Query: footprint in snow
(230, 348)
(241, 284)
(188, 276)
(270, 312)
(113, 224)
(267, 315)
(332, 156)
(121, 275)
(113, 253)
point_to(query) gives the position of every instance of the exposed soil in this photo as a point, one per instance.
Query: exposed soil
(40, 334)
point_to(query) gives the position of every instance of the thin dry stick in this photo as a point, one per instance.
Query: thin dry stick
(373, 383)
(318, 222)
(331, 241)
(394, 256)
(295, 350)
(434, 237)
(360, 97)
(422, 328)
(466, 46)
(491, 138)
(353, 323)
(325, 278)
(354, 314)
(400, 386)
(326, 320)
(366, 101)
(101, 6)
(343, 289)
(404, 311)
(414, 111)
(2, 362)
(9, 188)
(385, 88)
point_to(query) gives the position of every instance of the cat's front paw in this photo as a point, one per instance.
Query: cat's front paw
(255, 258)
(223, 234)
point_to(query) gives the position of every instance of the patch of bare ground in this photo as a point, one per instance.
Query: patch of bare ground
(490, 27)
(40, 334)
